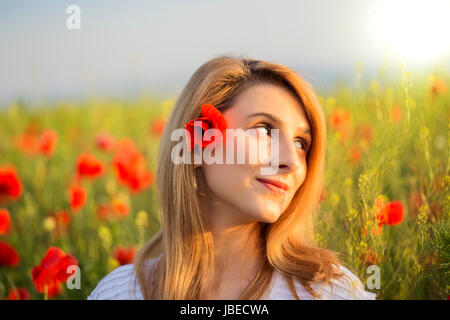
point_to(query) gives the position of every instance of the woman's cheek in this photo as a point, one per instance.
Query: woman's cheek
(220, 177)
(249, 147)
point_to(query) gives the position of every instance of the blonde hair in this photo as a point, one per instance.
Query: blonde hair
(183, 243)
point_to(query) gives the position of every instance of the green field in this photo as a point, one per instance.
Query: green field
(387, 141)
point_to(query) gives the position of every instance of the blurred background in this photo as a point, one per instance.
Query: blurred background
(124, 48)
(82, 111)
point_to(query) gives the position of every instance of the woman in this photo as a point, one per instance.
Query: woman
(228, 231)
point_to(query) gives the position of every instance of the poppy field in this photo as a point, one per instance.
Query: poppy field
(77, 187)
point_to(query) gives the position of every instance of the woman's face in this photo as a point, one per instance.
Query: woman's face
(238, 187)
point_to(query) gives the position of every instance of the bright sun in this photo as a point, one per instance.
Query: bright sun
(415, 30)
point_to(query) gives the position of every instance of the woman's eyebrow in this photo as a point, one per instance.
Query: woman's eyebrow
(276, 120)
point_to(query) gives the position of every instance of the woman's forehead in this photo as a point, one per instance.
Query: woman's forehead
(270, 99)
(266, 97)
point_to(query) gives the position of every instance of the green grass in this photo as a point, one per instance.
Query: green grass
(403, 157)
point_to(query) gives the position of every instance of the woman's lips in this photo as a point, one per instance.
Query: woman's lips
(275, 186)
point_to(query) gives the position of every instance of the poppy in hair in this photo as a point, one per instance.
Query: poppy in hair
(211, 118)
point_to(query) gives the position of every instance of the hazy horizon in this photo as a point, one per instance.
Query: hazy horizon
(125, 48)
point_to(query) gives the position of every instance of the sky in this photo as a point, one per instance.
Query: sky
(126, 47)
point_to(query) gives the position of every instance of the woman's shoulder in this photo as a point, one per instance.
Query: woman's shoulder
(346, 288)
(119, 284)
(343, 288)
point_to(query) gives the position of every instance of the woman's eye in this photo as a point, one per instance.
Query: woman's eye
(265, 127)
(301, 143)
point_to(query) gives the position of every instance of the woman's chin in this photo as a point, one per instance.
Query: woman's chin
(267, 216)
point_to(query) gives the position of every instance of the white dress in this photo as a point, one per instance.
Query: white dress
(119, 285)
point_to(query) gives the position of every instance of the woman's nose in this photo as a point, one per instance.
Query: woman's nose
(289, 160)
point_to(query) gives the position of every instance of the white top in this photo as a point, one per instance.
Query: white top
(118, 285)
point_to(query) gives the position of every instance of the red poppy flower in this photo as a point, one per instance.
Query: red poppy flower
(47, 142)
(62, 219)
(391, 214)
(370, 257)
(376, 231)
(439, 87)
(211, 118)
(340, 121)
(130, 167)
(77, 197)
(127, 153)
(364, 132)
(89, 166)
(10, 184)
(139, 179)
(27, 143)
(120, 207)
(117, 209)
(124, 255)
(135, 178)
(103, 211)
(5, 221)
(8, 255)
(396, 113)
(52, 271)
(355, 154)
(157, 126)
(105, 141)
(18, 294)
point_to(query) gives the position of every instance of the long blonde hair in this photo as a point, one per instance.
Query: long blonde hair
(184, 245)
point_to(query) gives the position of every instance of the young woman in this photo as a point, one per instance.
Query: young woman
(228, 231)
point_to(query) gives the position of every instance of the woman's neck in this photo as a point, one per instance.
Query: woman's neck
(237, 255)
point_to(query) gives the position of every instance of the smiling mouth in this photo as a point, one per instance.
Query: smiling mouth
(274, 186)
